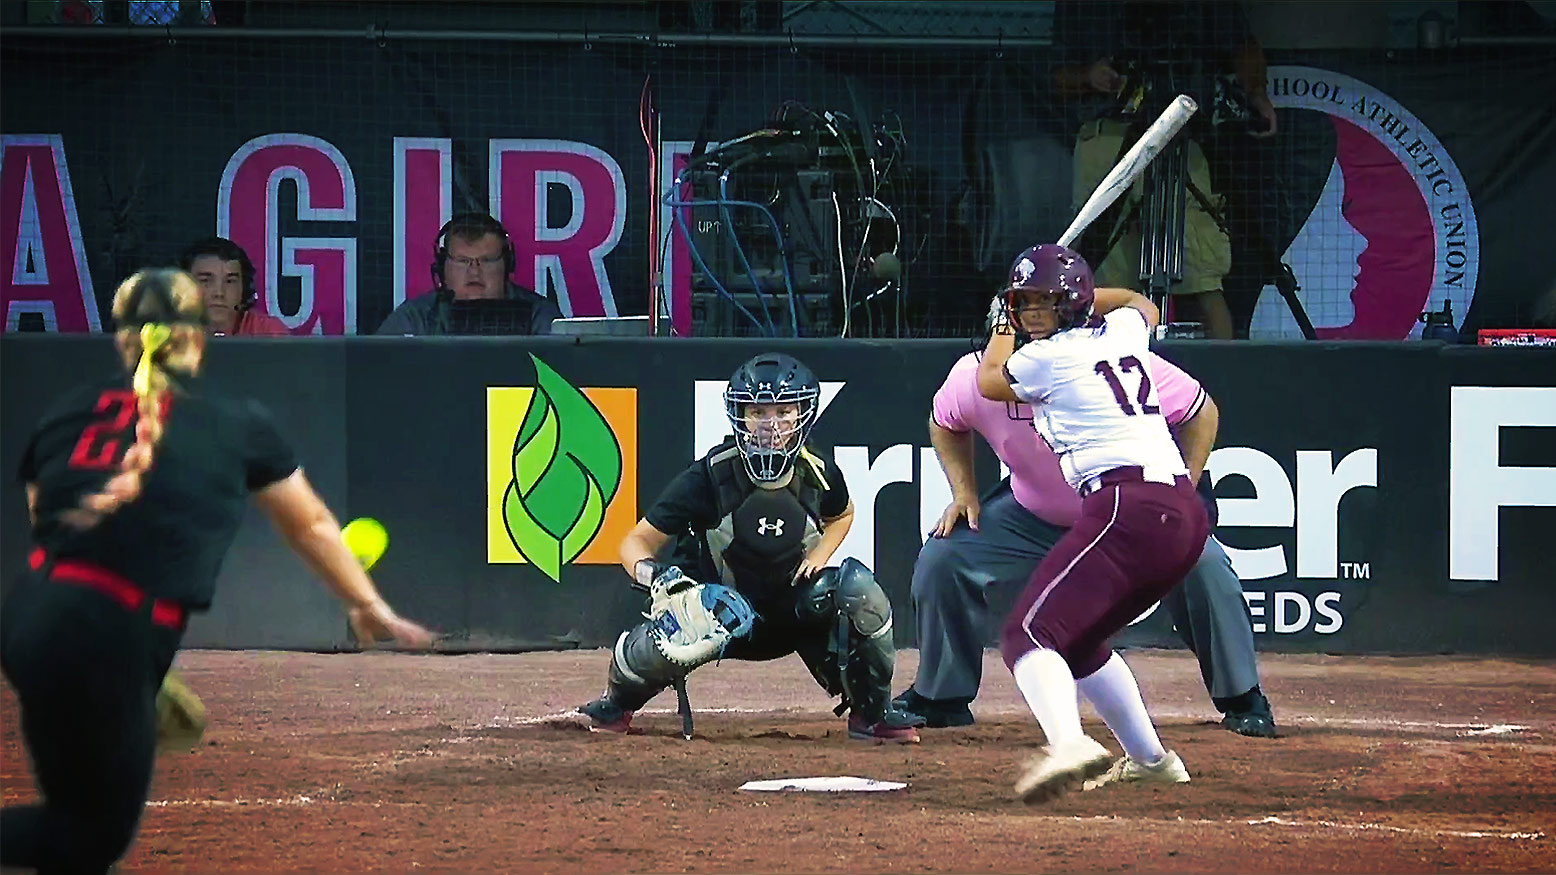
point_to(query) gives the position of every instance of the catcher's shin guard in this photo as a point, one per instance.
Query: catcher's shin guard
(638, 670)
(861, 644)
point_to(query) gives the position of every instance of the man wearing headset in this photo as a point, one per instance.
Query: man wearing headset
(472, 292)
(226, 278)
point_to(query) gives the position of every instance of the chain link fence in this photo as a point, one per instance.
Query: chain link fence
(939, 140)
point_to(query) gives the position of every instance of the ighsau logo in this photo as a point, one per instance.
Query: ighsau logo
(1394, 232)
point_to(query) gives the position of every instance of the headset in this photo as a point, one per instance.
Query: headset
(481, 223)
(226, 250)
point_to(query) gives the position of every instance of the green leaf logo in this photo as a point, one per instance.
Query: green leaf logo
(566, 469)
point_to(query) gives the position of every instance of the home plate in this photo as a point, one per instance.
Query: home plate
(842, 784)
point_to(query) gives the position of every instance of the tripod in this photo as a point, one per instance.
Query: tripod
(1162, 214)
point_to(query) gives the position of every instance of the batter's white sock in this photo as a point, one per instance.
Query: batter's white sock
(1046, 683)
(1114, 693)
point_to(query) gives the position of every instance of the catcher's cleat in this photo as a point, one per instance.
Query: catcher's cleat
(1061, 767)
(936, 713)
(894, 727)
(606, 716)
(1169, 770)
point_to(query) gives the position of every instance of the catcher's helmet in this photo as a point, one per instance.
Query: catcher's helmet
(1057, 270)
(771, 378)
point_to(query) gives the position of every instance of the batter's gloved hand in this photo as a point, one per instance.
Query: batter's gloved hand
(998, 320)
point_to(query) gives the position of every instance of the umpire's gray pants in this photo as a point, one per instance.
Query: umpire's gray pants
(954, 576)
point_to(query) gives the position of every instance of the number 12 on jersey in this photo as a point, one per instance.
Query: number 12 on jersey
(1129, 365)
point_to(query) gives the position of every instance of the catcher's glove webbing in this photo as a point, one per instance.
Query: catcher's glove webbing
(692, 622)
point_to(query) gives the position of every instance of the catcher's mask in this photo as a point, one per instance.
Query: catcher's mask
(771, 402)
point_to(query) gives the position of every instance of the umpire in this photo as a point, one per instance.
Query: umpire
(136, 487)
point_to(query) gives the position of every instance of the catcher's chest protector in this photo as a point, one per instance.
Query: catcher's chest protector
(763, 534)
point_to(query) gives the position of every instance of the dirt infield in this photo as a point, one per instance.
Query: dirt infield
(384, 762)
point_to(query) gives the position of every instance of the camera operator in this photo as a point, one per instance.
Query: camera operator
(1118, 66)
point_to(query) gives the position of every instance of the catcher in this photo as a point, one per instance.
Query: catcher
(757, 518)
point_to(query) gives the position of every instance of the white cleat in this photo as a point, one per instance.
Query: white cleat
(1060, 767)
(1170, 770)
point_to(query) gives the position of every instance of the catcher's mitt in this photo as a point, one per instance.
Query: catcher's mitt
(180, 715)
(693, 624)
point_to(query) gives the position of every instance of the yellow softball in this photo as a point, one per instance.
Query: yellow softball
(367, 540)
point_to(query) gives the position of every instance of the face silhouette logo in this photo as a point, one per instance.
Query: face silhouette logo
(1393, 231)
(773, 528)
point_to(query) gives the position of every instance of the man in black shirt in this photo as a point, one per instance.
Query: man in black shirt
(473, 293)
(763, 513)
(136, 488)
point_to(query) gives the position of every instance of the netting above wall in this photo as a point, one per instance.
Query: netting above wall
(868, 168)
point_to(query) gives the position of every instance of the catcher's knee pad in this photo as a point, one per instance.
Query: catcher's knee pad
(848, 591)
(862, 643)
(862, 600)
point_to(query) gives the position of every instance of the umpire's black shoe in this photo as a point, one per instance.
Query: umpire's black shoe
(936, 713)
(1251, 716)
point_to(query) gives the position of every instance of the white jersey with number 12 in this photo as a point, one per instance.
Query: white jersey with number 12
(1094, 401)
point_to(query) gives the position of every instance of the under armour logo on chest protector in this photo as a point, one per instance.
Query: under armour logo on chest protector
(770, 523)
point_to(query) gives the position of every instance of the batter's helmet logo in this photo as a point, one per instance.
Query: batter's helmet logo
(561, 472)
(1021, 273)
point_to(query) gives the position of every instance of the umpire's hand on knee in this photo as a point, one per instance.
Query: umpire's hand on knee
(959, 508)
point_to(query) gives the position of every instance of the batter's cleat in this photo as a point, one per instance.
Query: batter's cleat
(1169, 770)
(606, 716)
(894, 727)
(937, 713)
(1061, 767)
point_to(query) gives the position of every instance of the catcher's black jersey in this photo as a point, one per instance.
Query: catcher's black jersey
(744, 536)
(690, 502)
(171, 540)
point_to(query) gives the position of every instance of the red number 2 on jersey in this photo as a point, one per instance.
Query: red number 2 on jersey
(101, 442)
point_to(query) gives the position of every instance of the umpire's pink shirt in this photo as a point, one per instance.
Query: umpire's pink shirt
(1034, 469)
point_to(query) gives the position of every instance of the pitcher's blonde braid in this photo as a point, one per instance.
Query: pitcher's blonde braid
(149, 349)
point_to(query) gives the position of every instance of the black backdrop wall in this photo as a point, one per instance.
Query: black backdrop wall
(1376, 497)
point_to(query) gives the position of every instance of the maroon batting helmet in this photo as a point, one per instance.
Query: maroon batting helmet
(1058, 270)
